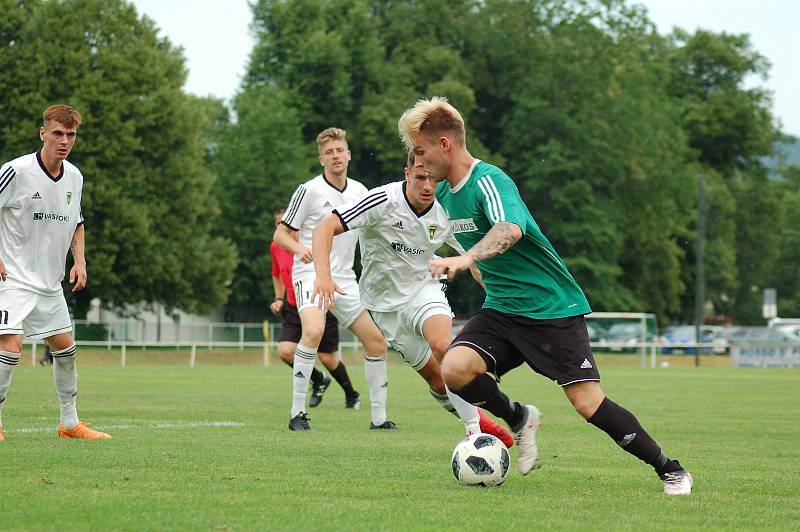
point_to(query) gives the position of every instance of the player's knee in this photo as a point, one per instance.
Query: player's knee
(329, 360)
(312, 335)
(585, 408)
(287, 355)
(456, 373)
(11, 343)
(376, 345)
(439, 348)
(586, 402)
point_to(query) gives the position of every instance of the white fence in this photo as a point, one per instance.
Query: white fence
(126, 334)
(138, 334)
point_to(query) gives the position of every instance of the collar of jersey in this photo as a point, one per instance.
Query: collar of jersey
(334, 186)
(464, 179)
(46, 171)
(410, 206)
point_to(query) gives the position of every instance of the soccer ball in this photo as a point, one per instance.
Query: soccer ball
(481, 460)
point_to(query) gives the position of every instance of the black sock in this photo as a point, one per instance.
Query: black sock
(341, 376)
(483, 391)
(625, 429)
(316, 377)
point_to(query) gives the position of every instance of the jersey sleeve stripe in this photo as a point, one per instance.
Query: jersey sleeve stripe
(364, 205)
(294, 205)
(344, 224)
(6, 178)
(494, 214)
(502, 212)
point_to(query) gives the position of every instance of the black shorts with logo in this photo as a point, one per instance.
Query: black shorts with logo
(292, 330)
(557, 348)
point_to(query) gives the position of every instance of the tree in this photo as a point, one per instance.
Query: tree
(729, 129)
(146, 194)
(260, 160)
(571, 96)
(787, 272)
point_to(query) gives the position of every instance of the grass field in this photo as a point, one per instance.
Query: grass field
(207, 448)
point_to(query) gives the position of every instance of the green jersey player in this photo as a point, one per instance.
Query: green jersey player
(534, 309)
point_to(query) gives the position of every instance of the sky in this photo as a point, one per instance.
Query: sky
(216, 40)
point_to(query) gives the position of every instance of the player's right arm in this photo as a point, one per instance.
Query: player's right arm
(321, 244)
(8, 184)
(286, 234)
(285, 238)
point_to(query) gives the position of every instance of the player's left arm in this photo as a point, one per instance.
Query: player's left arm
(78, 274)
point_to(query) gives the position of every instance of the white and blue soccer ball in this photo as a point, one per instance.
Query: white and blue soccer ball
(481, 460)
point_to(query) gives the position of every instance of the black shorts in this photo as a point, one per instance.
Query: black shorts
(558, 348)
(292, 330)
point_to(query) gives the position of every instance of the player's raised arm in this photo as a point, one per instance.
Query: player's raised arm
(321, 244)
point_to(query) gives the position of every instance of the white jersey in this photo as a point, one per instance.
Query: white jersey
(396, 244)
(313, 201)
(38, 216)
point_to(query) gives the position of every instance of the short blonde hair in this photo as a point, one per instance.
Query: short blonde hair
(431, 117)
(332, 133)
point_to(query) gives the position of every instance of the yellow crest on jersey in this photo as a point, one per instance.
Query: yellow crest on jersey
(432, 231)
(69, 197)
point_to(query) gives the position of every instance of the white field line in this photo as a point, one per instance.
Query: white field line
(151, 425)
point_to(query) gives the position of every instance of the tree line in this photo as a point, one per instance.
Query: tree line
(603, 123)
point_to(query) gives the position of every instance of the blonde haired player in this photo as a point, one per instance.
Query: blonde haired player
(40, 220)
(311, 202)
(534, 309)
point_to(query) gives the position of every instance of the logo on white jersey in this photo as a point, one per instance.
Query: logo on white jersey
(44, 216)
(466, 225)
(402, 248)
(36, 196)
(69, 197)
(327, 204)
(586, 364)
(432, 231)
(398, 225)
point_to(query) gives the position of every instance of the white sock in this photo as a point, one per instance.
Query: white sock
(375, 369)
(466, 411)
(65, 376)
(304, 358)
(8, 361)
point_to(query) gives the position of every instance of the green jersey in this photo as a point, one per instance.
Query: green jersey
(529, 279)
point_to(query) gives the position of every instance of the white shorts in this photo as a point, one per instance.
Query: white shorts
(403, 328)
(34, 315)
(347, 308)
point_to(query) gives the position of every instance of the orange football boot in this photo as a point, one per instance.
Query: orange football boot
(82, 430)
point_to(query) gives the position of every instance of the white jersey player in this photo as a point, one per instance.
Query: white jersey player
(40, 220)
(311, 202)
(401, 226)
